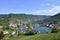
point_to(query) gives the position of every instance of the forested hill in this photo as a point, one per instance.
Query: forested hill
(5, 18)
(54, 19)
(26, 17)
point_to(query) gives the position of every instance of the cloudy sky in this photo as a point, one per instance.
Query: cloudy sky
(36, 7)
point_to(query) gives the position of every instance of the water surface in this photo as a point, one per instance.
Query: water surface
(42, 29)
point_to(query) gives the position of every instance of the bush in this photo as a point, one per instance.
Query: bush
(55, 30)
(1, 35)
(30, 33)
(21, 33)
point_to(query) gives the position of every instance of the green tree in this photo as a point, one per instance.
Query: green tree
(1, 35)
(30, 33)
(30, 26)
(55, 30)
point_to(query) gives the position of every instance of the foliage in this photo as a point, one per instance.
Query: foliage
(21, 33)
(30, 33)
(54, 19)
(53, 36)
(1, 35)
(55, 30)
(30, 26)
(4, 18)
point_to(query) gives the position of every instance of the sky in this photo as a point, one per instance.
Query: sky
(35, 7)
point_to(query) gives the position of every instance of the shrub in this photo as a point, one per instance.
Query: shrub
(30, 33)
(21, 33)
(55, 30)
(1, 35)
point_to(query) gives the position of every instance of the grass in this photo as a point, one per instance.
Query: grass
(52, 36)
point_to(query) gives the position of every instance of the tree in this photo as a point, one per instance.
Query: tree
(30, 26)
(1, 35)
(55, 30)
(30, 33)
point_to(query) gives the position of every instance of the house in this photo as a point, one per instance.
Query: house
(52, 25)
(5, 32)
(13, 34)
(46, 24)
(12, 24)
(1, 26)
(23, 27)
(58, 26)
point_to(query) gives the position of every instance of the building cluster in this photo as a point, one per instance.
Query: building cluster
(51, 25)
(20, 27)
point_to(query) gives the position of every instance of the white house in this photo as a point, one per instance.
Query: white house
(14, 34)
(12, 24)
(5, 32)
(22, 27)
(1, 26)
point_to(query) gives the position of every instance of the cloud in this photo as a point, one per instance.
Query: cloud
(48, 4)
(55, 10)
(52, 11)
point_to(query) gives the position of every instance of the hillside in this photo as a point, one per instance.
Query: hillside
(54, 19)
(52, 36)
(27, 17)
(5, 18)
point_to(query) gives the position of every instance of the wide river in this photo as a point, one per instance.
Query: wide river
(42, 29)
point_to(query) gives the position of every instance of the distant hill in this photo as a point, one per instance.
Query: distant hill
(5, 18)
(54, 19)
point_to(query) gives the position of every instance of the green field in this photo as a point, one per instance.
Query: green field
(52, 36)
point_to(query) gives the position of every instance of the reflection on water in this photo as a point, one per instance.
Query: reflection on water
(42, 29)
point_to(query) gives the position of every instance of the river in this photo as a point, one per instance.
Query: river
(42, 29)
